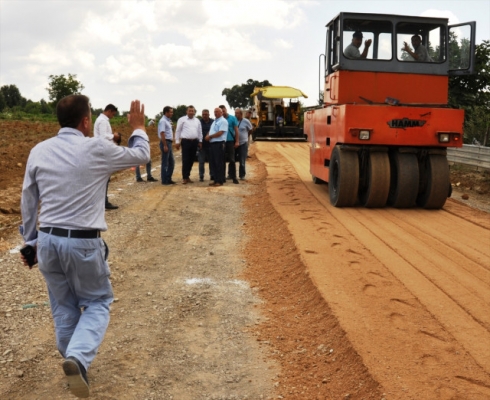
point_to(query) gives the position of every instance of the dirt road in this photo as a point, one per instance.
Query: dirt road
(410, 287)
(263, 290)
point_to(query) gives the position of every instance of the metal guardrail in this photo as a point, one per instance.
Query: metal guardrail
(476, 156)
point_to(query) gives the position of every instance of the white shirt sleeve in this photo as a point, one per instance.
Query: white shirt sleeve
(199, 130)
(178, 131)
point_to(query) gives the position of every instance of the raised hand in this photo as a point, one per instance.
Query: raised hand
(137, 115)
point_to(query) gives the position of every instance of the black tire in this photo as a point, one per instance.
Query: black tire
(404, 177)
(434, 175)
(343, 180)
(377, 181)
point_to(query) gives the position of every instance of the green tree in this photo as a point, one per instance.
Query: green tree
(45, 108)
(32, 107)
(239, 95)
(477, 126)
(3, 103)
(61, 86)
(12, 96)
(472, 93)
(96, 111)
(470, 90)
(179, 111)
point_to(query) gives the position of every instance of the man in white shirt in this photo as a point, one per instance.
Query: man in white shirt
(102, 128)
(420, 53)
(189, 133)
(352, 50)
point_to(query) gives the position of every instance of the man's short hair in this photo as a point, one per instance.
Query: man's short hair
(110, 107)
(166, 109)
(205, 110)
(191, 107)
(417, 37)
(70, 110)
(357, 34)
(222, 107)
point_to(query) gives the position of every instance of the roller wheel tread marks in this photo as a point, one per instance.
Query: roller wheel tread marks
(375, 180)
(343, 178)
(434, 181)
(404, 179)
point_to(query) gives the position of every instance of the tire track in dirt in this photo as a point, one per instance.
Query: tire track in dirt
(467, 291)
(469, 251)
(393, 285)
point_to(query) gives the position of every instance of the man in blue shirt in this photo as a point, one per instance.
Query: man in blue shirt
(166, 139)
(232, 142)
(217, 138)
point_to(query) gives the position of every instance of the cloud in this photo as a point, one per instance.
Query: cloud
(44, 54)
(453, 19)
(127, 69)
(282, 44)
(278, 14)
(173, 56)
(120, 23)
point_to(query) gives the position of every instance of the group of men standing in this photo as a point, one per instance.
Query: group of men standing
(216, 140)
(191, 135)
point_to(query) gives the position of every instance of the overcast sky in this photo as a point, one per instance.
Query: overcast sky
(171, 52)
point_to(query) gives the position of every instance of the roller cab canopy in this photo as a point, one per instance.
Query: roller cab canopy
(277, 92)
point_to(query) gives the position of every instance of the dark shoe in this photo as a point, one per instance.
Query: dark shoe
(235, 181)
(109, 206)
(139, 179)
(201, 179)
(216, 184)
(172, 183)
(151, 179)
(185, 181)
(242, 178)
(77, 377)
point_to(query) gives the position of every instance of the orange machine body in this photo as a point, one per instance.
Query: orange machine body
(356, 101)
(344, 87)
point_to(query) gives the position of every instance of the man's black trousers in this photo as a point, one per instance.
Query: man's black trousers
(189, 150)
(217, 161)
